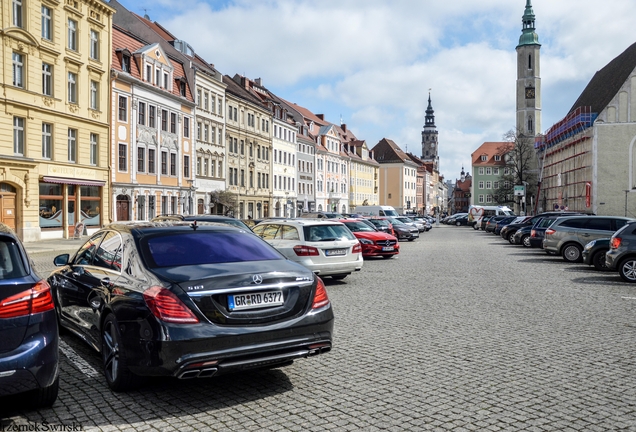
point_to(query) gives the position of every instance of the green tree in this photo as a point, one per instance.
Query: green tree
(228, 200)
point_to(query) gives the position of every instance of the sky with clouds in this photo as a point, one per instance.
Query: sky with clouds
(372, 63)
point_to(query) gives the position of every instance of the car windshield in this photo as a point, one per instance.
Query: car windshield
(379, 222)
(396, 221)
(11, 265)
(357, 226)
(206, 247)
(317, 233)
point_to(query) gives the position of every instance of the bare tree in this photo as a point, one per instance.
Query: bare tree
(520, 169)
(224, 198)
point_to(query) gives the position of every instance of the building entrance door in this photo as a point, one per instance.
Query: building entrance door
(123, 208)
(7, 209)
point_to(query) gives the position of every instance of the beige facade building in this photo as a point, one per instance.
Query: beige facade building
(54, 162)
(398, 176)
(364, 173)
(249, 149)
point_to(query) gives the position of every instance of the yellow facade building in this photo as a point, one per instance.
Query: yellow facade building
(54, 116)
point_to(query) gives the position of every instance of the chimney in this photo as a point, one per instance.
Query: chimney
(259, 82)
(246, 83)
(321, 116)
(344, 127)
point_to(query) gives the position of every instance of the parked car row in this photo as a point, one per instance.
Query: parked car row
(606, 242)
(201, 295)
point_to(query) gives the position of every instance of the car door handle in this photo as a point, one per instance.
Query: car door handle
(106, 282)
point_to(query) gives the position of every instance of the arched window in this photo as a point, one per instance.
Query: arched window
(530, 124)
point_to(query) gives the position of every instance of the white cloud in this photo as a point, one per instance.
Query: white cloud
(373, 61)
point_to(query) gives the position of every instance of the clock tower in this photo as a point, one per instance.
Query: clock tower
(528, 77)
(429, 138)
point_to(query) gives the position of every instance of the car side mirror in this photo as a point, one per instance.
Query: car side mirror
(61, 260)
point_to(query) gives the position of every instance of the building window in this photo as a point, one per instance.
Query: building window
(142, 113)
(18, 136)
(497, 158)
(158, 77)
(198, 166)
(530, 124)
(141, 159)
(72, 88)
(481, 185)
(18, 70)
(481, 199)
(94, 148)
(488, 171)
(488, 185)
(488, 198)
(151, 161)
(149, 73)
(123, 108)
(94, 95)
(125, 63)
(206, 164)
(47, 130)
(495, 185)
(481, 170)
(164, 120)
(173, 164)
(47, 79)
(94, 45)
(173, 123)
(141, 207)
(72, 34)
(72, 145)
(186, 166)
(206, 132)
(164, 163)
(165, 80)
(483, 158)
(186, 127)
(46, 23)
(152, 116)
(495, 171)
(212, 134)
(123, 160)
(17, 13)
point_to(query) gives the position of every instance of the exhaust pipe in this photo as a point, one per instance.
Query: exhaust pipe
(197, 373)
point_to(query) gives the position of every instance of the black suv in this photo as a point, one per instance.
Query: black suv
(621, 255)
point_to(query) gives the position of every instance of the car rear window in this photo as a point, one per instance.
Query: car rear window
(602, 224)
(357, 226)
(318, 233)
(574, 223)
(206, 247)
(11, 264)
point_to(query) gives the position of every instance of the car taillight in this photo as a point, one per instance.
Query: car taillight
(301, 250)
(357, 248)
(320, 297)
(34, 300)
(167, 307)
(533, 233)
(615, 242)
(549, 231)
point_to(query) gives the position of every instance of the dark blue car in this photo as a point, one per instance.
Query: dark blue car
(28, 327)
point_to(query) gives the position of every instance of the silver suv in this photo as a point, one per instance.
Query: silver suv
(567, 236)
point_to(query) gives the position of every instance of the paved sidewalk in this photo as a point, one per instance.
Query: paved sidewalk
(54, 245)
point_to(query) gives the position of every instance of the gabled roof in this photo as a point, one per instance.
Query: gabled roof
(387, 151)
(490, 150)
(240, 92)
(606, 83)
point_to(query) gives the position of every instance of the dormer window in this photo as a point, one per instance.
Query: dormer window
(124, 59)
(484, 158)
(497, 158)
(181, 82)
(183, 47)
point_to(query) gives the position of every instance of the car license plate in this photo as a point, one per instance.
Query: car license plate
(253, 301)
(332, 252)
(387, 248)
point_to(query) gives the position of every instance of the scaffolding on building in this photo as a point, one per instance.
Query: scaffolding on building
(575, 122)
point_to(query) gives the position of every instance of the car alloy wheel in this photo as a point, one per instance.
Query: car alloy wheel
(475, 227)
(525, 240)
(118, 377)
(572, 253)
(511, 238)
(598, 260)
(627, 270)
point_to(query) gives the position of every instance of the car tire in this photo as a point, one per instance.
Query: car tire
(572, 253)
(525, 240)
(627, 269)
(118, 376)
(339, 276)
(46, 397)
(475, 227)
(458, 223)
(511, 239)
(598, 261)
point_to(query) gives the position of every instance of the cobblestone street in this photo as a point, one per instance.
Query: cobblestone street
(462, 331)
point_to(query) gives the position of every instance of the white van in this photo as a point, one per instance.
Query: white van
(376, 210)
(477, 212)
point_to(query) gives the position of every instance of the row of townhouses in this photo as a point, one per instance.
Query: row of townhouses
(113, 118)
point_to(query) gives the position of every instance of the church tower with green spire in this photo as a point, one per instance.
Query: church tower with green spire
(528, 77)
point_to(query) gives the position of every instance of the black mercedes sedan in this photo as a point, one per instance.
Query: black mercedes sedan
(189, 300)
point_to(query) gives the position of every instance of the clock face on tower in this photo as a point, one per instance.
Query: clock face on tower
(530, 93)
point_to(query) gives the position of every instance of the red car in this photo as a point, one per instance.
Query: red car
(374, 242)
